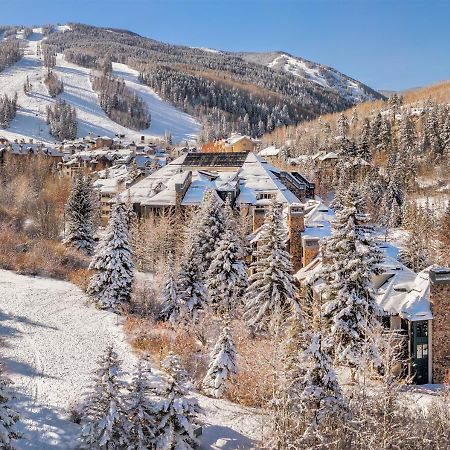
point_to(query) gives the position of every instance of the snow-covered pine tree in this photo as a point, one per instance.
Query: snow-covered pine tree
(222, 365)
(141, 410)
(192, 295)
(169, 295)
(315, 387)
(176, 413)
(210, 228)
(104, 420)
(350, 305)
(79, 214)
(226, 278)
(342, 125)
(270, 296)
(111, 284)
(8, 417)
(414, 254)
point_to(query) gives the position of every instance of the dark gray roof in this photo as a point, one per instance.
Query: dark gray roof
(215, 159)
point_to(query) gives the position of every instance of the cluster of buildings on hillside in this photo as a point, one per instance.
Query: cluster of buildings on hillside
(156, 182)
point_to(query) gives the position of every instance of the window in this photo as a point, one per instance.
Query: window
(422, 351)
(422, 329)
(265, 195)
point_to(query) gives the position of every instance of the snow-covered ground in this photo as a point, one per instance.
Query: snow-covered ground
(51, 340)
(30, 121)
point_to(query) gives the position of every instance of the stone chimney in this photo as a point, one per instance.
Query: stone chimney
(311, 249)
(440, 307)
(296, 225)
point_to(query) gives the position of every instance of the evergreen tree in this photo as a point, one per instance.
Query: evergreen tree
(111, 285)
(104, 421)
(342, 125)
(227, 274)
(414, 254)
(176, 413)
(270, 296)
(364, 141)
(210, 228)
(350, 305)
(222, 365)
(8, 417)
(79, 214)
(375, 130)
(141, 410)
(192, 295)
(316, 388)
(169, 294)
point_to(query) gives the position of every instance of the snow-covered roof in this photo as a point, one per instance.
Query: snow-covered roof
(270, 151)
(258, 176)
(404, 293)
(399, 291)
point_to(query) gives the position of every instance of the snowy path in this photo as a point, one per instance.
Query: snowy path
(165, 117)
(30, 121)
(51, 340)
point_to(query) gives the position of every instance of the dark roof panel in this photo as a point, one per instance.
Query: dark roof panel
(215, 159)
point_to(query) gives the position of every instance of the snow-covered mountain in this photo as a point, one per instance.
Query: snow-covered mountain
(325, 76)
(30, 121)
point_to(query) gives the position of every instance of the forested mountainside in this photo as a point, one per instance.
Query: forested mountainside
(228, 92)
(348, 88)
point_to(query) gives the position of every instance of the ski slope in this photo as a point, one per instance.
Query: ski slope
(51, 341)
(30, 121)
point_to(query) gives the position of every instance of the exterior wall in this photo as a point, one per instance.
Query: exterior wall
(440, 306)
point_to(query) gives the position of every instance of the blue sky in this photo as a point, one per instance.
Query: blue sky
(388, 44)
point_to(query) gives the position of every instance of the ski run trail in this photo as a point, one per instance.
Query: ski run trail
(30, 121)
(51, 341)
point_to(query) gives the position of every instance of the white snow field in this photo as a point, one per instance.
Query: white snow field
(30, 121)
(51, 340)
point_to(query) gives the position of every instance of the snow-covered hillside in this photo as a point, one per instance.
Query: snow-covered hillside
(327, 77)
(51, 340)
(30, 121)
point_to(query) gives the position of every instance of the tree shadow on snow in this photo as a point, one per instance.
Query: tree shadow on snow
(224, 438)
(44, 428)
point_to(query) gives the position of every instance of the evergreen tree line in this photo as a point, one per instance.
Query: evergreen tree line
(49, 56)
(223, 107)
(8, 109)
(194, 76)
(120, 103)
(11, 51)
(62, 121)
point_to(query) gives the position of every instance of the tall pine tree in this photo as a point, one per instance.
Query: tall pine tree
(104, 422)
(350, 305)
(111, 285)
(270, 296)
(222, 365)
(175, 412)
(79, 216)
(227, 273)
